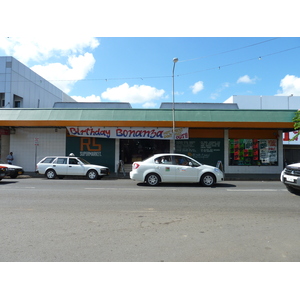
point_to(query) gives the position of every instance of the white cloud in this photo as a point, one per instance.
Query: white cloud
(290, 84)
(216, 94)
(40, 49)
(92, 98)
(246, 79)
(197, 87)
(68, 59)
(64, 76)
(149, 105)
(134, 94)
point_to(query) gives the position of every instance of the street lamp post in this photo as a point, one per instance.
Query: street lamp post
(175, 60)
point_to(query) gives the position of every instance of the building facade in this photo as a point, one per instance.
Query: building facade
(245, 141)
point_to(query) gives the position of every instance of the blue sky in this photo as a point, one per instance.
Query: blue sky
(139, 69)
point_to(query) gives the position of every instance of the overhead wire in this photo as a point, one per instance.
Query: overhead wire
(239, 62)
(184, 74)
(228, 51)
(203, 70)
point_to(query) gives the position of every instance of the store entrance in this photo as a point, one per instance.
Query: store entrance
(136, 150)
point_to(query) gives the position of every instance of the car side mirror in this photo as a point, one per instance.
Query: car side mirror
(190, 164)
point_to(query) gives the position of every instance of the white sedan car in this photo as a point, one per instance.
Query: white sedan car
(174, 168)
(60, 166)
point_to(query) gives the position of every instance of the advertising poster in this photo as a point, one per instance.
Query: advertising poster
(250, 152)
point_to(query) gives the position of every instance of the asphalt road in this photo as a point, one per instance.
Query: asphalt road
(124, 221)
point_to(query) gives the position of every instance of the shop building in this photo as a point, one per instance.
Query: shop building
(245, 141)
(291, 148)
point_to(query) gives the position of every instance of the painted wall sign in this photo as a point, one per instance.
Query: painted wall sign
(129, 132)
(205, 150)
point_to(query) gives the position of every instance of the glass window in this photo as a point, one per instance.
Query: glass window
(61, 161)
(140, 149)
(73, 161)
(179, 160)
(48, 160)
(253, 152)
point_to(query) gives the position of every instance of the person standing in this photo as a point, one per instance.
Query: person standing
(10, 158)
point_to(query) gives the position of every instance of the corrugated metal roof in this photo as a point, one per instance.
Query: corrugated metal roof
(93, 105)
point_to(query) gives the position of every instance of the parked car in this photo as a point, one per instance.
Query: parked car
(61, 166)
(290, 176)
(3, 170)
(12, 170)
(174, 168)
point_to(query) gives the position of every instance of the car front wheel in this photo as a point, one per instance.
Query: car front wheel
(152, 179)
(293, 190)
(50, 174)
(208, 179)
(92, 174)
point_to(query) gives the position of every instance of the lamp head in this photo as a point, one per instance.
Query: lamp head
(175, 60)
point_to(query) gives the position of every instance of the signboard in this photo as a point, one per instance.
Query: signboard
(205, 150)
(130, 132)
(94, 150)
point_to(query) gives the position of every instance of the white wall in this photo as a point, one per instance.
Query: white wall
(26, 154)
(265, 102)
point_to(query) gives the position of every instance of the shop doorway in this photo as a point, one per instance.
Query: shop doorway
(136, 150)
(291, 155)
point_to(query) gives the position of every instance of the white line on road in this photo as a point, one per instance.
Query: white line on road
(255, 190)
(134, 189)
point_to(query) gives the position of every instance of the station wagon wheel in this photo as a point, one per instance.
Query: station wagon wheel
(92, 174)
(152, 179)
(208, 179)
(50, 174)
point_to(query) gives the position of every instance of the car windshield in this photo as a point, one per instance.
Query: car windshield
(85, 162)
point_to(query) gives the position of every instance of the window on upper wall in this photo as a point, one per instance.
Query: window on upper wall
(253, 152)
(2, 100)
(18, 101)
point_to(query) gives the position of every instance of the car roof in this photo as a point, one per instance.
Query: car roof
(162, 154)
(65, 156)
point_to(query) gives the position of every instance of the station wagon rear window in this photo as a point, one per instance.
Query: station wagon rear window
(48, 160)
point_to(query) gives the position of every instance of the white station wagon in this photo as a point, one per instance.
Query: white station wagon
(60, 166)
(174, 168)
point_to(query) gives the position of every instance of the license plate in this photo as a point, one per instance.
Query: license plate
(20, 172)
(290, 178)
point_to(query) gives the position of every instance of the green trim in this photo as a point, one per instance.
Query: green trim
(273, 116)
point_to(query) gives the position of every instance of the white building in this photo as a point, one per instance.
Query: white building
(20, 87)
(265, 102)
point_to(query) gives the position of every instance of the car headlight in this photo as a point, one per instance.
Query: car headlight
(217, 170)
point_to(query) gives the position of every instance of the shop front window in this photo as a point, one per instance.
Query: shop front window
(139, 149)
(253, 152)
